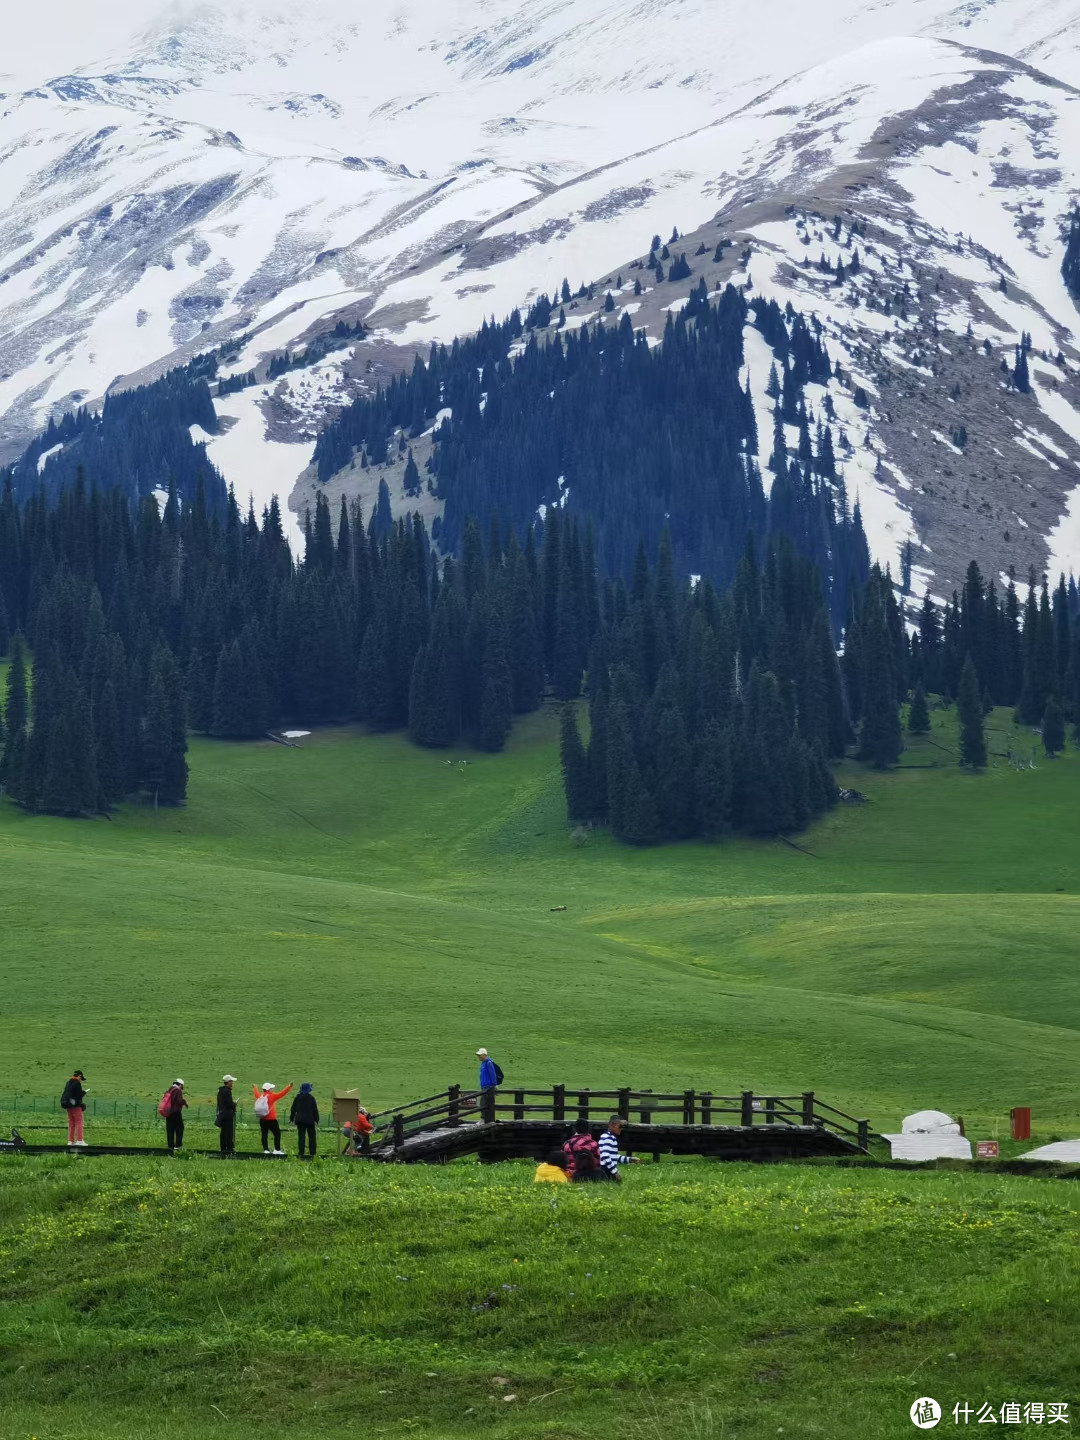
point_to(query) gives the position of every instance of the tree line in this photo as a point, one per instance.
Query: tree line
(708, 710)
(146, 623)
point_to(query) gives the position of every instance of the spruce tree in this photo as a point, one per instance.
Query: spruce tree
(167, 708)
(597, 753)
(69, 784)
(230, 716)
(881, 738)
(969, 713)
(575, 768)
(16, 712)
(918, 713)
(109, 747)
(1053, 727)
(712, 783)
(496, 702)
(673, 776)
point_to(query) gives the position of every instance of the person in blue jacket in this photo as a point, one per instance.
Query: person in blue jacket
(490, 1074)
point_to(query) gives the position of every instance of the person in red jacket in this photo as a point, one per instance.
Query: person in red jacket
(358, 1133)
(267, 1113)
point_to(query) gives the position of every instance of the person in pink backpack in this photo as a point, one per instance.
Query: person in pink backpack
(266, 1109)
(171, 1108)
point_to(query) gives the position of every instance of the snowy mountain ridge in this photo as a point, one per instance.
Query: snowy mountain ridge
(265, 174)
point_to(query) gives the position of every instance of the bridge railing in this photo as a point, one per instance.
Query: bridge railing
(564, 1104)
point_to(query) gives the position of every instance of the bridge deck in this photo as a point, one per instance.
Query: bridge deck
(529, 1123)
(533, 1139)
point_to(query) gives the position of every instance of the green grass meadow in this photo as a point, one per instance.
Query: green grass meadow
(357, 912)
(695, 1302)
(361, 913)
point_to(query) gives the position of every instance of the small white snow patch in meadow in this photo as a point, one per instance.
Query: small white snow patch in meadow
(295, 734)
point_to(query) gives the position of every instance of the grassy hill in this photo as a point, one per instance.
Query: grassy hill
(359, 912)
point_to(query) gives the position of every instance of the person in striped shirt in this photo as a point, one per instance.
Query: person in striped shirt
(610, 1159)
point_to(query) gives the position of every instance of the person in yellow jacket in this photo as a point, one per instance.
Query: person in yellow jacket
(552, 1171)
(266, 1109)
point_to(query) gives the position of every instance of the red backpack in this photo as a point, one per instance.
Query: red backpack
(164, 1105)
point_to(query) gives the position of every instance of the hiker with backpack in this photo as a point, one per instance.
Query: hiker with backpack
(491, 1075)
(581, 1143)
(225, 1118)
(171, 1108)
(266, 1109)
(73, 1100)
(304, 1114)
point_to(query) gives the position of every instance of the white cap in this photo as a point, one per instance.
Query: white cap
(482, 1051)
(179, 1082)
(226, 1078)
(269, 1085)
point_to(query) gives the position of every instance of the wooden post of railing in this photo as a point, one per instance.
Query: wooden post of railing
(808, 1107)
(688, 1107)
(487, 1106)
(864, 1134)
(706, 1107)
(399, 1131)
(748, 1107)
(583, 1105)
(519, 1104)
(770, 1110)
(624, 1103)
(453, 1095)
(558, 1103)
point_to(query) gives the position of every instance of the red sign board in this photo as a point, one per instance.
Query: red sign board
(986, 1150)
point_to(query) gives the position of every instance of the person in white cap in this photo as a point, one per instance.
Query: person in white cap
(225, 1119)
(175, 1105)
(490, 1074)
(266, 1109)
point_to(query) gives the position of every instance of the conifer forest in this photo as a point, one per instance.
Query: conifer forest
(606, 538)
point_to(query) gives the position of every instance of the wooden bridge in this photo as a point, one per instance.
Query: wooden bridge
(504, 1124)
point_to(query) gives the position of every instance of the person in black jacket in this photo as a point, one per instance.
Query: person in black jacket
(225, 1119)
(305, 1116)
(73, 1100)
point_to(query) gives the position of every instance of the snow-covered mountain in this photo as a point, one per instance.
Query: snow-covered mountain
(424, 164)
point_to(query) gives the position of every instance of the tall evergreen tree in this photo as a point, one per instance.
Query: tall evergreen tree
(969, 712)
(575, 768)
(496, 702)
(881, 739)
(918, 713)
(1053, 727)
(16, 715)
(712, 783)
